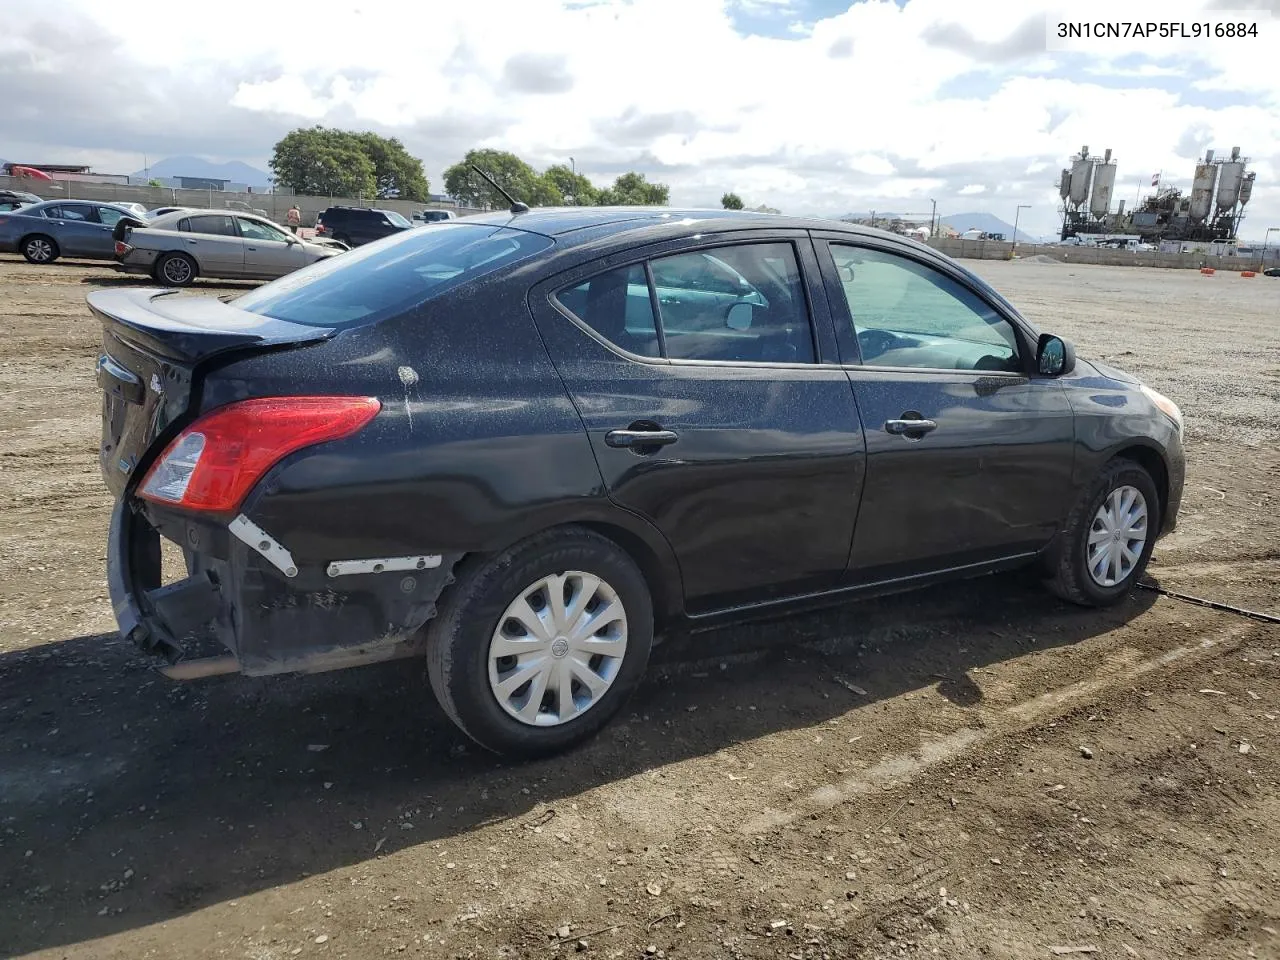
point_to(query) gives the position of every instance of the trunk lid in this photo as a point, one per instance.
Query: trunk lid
(154, 344)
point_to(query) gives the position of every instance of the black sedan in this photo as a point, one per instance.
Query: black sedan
(522, 444)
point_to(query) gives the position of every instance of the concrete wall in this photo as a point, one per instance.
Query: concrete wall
(996, 250)
(275, 204)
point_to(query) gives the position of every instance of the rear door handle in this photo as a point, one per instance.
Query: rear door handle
(640, 438)
(909, 426)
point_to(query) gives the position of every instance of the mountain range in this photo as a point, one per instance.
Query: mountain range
(234, 170)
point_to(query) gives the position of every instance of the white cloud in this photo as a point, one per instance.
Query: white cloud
(844, 114)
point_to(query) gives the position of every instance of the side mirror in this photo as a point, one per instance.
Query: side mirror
(739, 317)
(1055, 356)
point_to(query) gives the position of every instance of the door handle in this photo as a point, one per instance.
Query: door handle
(640, 438)
(192, 242)
(252, 249)
(908, 427)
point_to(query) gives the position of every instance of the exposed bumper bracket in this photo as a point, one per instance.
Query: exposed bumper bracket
(244, 529)
(342, 568)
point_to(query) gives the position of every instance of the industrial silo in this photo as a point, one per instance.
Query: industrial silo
(1104, 182)
(1081, 177)
(1202, 188)
(1229, 182)
(1246, 188)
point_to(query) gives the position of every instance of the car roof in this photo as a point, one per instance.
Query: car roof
(572, 225)
(93, 203)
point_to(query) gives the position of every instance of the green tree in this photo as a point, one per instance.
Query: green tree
(513, 174)
(765, 208)
(323, 162)
(632, 189)
(395, 172)
(576, 189)
(731, 201)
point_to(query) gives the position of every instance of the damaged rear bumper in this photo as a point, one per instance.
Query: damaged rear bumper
(320, 615)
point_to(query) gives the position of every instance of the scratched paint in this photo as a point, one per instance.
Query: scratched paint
(408, 377)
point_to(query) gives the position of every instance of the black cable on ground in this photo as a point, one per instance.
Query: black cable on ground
(1212, 604)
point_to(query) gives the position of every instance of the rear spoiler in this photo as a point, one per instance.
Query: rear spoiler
(124, 225)
(192, 329)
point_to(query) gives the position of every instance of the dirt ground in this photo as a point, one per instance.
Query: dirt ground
(979, 771)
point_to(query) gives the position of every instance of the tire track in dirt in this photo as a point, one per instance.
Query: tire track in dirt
(1009, 721)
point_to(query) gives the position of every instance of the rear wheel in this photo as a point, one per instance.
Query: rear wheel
(176, 270)
(1108, 537)
(536, 649)
(39, 249)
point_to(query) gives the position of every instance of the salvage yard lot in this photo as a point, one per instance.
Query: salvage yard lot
(976, 771)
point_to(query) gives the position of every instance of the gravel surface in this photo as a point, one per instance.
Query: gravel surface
(976, 771)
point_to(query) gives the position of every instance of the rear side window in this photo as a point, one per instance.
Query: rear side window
(217, 225)
(616, 305)
(73, 211)
(383, 280)
(735, 304)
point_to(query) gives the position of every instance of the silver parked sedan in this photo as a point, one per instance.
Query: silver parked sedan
(180, 246)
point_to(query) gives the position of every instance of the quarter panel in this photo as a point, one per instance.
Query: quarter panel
(476, 446)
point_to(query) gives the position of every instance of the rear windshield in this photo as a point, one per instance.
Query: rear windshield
(391, 276)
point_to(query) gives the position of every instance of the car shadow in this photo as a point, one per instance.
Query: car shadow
(140, 799)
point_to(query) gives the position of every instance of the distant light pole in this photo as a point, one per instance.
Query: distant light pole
(1016, 214)
(573, 169)
(573, 166)
(933, 219)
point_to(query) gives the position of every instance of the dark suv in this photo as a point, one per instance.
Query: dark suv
(520, 445)
(357, 225)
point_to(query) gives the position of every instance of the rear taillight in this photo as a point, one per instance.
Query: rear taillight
(214, 463)
(122, 248)
(321, 228)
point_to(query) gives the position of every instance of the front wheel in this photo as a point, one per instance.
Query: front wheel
(1108, 537)
(536, 649)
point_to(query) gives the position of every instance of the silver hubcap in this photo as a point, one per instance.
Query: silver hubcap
(557, 648)
(177, 270)
(1117, 536)
(39, 250)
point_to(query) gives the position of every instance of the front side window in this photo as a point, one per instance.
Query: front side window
(216, 225)
(257, 230)
(906, 314)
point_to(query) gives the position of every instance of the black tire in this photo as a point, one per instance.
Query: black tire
(39, 249)
(458, 639)
(1069, 576)
(170, 271)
